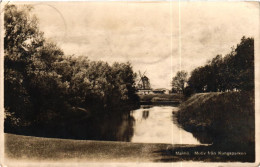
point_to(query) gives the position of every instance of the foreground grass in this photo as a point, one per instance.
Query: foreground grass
(37, 148)
(23, 148)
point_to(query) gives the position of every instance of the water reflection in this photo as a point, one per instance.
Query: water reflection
(145, 125)
(203, 137)
(115, 127)
(145, 114)
(155, 125)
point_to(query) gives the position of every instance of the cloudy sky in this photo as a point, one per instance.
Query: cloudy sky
(157, 37)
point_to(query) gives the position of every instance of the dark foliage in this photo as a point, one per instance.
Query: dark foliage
(225, 117)
(235, 71)
(179, 81)
(50, 94)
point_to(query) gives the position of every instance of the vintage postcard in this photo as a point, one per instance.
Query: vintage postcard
(129, 83)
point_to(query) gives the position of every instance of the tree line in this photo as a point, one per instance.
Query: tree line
(44, 88)
(233, 72)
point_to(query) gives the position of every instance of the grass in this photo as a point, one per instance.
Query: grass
(227, 117)
(24, 148)
(226, 120)
(18, 147)
(161, 97)
(37, 148)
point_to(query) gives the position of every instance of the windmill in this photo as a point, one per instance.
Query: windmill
(143, 83)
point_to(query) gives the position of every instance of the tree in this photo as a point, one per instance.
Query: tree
(33, 88)
(244, 63)
(179, 81)
(22, 37)
(197, 80)
(233, 72)
(46, 92)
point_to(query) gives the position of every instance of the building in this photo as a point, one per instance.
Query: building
(161, 91)
(145, 91)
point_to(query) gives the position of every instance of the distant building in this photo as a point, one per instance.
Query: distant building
(161, 91)
(145, 91)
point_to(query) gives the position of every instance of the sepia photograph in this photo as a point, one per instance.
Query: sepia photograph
(158, 82)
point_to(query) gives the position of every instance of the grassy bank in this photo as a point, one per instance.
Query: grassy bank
(222, 118)
(37, 149)
(161, 97)
(52, 149)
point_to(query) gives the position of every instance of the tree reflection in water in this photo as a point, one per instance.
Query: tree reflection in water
(145, 114)
(116, 127)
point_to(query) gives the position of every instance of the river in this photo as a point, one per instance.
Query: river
(148, 124)
(156, 124)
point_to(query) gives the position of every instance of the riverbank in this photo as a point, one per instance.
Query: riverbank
(36, 149)
(161, 99)
(224, 118)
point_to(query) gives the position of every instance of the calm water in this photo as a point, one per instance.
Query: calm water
(157, 125)
(154, 124)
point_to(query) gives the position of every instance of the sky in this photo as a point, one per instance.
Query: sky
(160, 38)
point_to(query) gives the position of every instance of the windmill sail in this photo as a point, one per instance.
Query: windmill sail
(143, 83)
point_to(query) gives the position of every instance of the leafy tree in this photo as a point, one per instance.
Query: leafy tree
(47, 92)
(197, 80)
(233, 72)
(179, 81)
(244, 63)
(22, 36)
